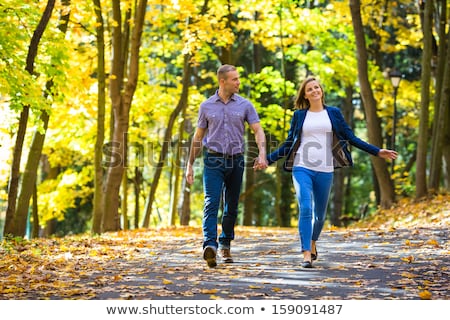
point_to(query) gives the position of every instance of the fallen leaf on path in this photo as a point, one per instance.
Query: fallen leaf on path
(425, 295)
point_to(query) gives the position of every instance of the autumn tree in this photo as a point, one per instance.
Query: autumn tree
(15, 222)
(167, 139)
(387, 192)
(439, 64)
(422, 145)
(123, 81)
(101, 101)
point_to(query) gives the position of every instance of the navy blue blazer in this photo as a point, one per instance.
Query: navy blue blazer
(342, 136)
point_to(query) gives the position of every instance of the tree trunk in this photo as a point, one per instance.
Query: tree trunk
(340, 175)
(438, 133)
(422, 143)
(13, 186)
(445, 107)
(101, 101)
(35, 214)
(121, 104)
(249, 204)
(287, 198)
(137, 195)
(175, 192)
(387, 192)
(48, 173)
(34, 156)
(184, 209)
(166, 142)
(278, 199)
(29, 178)
(284, 193)
(124, 202)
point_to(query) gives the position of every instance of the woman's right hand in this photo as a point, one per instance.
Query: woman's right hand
(388, 154)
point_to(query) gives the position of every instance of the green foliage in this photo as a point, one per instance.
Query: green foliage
(270, 92)
(16, 25)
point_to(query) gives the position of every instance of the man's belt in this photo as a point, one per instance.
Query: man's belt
(223, 155)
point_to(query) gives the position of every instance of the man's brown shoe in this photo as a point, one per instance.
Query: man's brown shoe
(209, 254)
(225, 255)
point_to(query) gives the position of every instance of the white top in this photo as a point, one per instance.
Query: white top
(315, 152)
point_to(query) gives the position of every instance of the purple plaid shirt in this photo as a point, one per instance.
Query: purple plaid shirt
(225, 123)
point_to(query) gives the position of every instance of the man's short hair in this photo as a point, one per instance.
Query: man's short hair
(223, 70)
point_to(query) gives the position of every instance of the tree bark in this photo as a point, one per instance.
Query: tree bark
(387, 192)
(124, 202)
(439, 119)
(184, 209)
(176, 178)
(339, 186)
(422, 143)
(445, 108)
(35, 214)
(100, 138)
(249, 204)
(137, 181)
(29, 178)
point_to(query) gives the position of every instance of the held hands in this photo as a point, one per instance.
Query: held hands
(388, 154)
(260, 163)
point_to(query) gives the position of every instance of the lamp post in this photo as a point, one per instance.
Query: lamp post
(395, 77)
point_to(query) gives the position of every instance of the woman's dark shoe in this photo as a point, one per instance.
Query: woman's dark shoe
(314, 255)
(306, 264)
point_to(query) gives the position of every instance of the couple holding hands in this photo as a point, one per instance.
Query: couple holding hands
(316, 144)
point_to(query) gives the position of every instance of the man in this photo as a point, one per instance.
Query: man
(220, 130)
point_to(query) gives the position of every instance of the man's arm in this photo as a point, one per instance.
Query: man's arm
(196, 148)
(260, 138)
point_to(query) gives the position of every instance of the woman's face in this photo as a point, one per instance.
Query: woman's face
(313, 91)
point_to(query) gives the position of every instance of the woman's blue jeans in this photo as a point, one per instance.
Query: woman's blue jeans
(313, 190)
(221, 176)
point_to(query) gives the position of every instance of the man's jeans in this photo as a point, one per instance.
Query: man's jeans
(313, 190)
(221, 176)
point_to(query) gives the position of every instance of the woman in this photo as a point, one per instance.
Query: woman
(315, 146)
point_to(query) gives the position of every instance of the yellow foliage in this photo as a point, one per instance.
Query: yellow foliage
(209, 291)
(412, 213)
(58, 195)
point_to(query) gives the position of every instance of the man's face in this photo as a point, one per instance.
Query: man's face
(231, 83)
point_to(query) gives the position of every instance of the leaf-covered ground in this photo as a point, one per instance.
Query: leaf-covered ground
(402, 253)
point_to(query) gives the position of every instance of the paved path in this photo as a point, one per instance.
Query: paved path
(377, 264)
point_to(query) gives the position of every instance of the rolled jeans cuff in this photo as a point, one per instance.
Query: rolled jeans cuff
(224, 246)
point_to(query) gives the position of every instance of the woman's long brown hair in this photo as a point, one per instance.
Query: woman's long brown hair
(300, 101)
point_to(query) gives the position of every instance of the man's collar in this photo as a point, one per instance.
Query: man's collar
(233, 96)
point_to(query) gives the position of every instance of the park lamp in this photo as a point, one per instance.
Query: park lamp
(395, 77)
